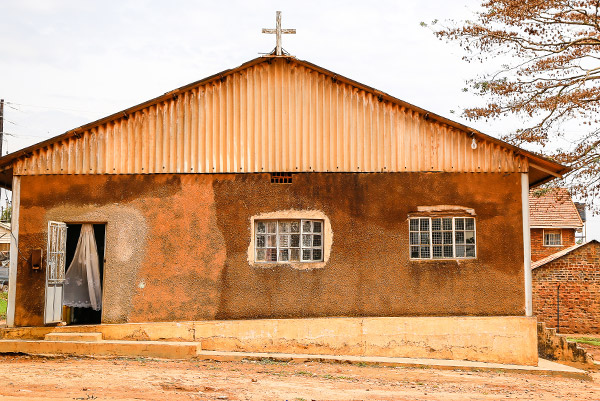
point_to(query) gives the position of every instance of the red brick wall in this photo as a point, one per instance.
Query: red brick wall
(578, 274)
(539, 251)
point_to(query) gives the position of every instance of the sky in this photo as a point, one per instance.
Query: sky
(65, 63)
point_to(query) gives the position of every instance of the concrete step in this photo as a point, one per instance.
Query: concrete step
(90, 337)
(150, 349)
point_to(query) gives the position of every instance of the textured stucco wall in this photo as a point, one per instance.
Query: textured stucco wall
(177, 245)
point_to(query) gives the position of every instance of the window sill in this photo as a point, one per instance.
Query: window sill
(293, 265)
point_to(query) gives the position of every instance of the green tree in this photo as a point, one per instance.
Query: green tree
(6, 214)
(552, 78)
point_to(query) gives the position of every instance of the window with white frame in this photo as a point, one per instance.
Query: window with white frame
(288, 240)
(552, 238)
(442, 237)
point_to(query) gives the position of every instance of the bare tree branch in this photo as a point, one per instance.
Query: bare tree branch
(554, 81)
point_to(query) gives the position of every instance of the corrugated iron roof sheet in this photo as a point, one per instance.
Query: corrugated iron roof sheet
(272, 114)
(553, 209)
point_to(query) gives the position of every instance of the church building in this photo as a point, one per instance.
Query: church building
(279, 191)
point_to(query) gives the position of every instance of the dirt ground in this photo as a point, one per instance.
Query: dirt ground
(69, 378)
(593, 350)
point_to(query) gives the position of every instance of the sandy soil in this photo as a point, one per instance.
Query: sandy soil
(37, 378)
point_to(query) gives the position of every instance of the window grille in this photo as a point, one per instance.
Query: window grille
(284, 241)
(281, 178)
(56, 254)
(442, 238)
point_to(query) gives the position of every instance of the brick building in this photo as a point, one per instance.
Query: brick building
(566, 289)
(554, 222)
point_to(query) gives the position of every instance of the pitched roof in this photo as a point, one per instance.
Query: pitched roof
(560, 254)
(553, 209)
(274, 113)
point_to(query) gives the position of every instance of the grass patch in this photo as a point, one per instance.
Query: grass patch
(304, 373)
(340, 377)
(3, 303)
(585, 340)
(270, 361)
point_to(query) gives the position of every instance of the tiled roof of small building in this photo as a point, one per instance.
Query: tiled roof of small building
(553, 209)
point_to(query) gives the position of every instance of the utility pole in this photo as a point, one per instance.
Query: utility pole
(1, 124)
(1, 132)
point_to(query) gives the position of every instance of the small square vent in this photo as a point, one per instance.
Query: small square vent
(281, 178)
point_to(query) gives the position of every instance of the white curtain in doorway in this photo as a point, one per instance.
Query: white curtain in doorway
(82, 280)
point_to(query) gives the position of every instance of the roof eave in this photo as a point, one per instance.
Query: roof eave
(556, 227)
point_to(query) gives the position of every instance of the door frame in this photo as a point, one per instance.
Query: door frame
(94, 223)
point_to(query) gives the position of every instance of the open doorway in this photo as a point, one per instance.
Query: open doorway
(77, 315)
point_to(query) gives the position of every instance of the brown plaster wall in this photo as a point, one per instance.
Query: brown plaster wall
(540, 251)
(177, 245)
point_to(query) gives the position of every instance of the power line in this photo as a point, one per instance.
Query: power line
(14, 108)
(1, 124)
(20, 134)
(49, 107)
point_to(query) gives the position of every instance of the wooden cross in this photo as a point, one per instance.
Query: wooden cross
(278, 31)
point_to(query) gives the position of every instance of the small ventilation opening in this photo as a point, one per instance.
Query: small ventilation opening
(281, 178)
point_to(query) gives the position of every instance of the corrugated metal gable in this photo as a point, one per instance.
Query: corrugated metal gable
(278, 115)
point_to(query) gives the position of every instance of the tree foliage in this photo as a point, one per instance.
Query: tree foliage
(552, 78)
(6, 214)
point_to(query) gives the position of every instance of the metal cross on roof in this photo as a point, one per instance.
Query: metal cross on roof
(278, 31)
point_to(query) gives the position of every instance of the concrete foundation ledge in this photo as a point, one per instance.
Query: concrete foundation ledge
(499, 339)
(508, 340)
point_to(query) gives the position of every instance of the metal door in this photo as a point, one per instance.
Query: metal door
(55, 271)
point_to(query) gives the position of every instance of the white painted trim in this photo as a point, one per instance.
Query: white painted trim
(558, 227)
(526, 244)
(14, 252)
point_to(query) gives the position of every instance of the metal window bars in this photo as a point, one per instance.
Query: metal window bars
(56, 254)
